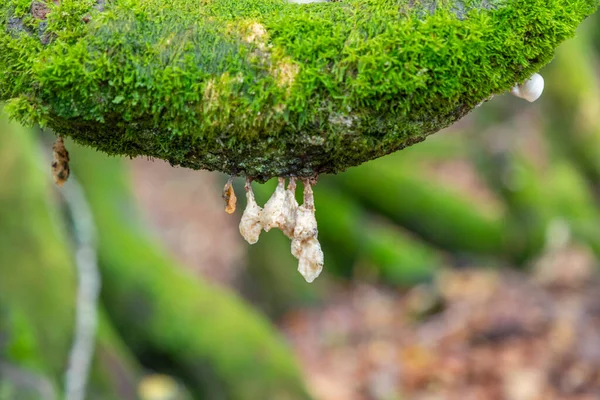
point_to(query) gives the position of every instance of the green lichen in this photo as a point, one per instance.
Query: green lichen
(267, 88)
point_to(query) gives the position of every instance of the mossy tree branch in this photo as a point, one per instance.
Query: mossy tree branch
(267, 88)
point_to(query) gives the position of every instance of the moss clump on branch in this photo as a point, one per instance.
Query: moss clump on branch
(263, 87)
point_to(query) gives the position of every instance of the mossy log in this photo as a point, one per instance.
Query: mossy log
(573, 102)
(37, 288)
(595, 21)
(37, 280)
(441, 216)
(267, 88)
(512, 175)
(372, 243)
(223, 349)
(115, 369)
(537, 196)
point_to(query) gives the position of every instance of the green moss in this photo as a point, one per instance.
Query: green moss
(36, 277)
(22, 345)
(265, 88)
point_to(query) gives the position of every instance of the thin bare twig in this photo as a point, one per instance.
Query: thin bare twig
(88, 288)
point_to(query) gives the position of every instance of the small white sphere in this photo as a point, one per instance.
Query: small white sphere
(530, 90)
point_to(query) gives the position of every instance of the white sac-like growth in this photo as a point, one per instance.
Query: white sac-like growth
(530, 90)
(251, 224)
(305, 245)
(273, 215)
(290, 209)
(306, 222)
(311, 259)
(296, 222)
(297, 247)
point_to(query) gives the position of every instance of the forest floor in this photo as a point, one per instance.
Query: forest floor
(472, 335)
(469, 335)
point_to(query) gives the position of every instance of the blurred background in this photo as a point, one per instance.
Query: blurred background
(465, 267)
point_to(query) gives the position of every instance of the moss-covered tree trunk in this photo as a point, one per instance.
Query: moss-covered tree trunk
(37, 282)
(574, 100)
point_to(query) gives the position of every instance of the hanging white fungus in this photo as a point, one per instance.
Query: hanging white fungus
(251, 225)
(273, 215)
(296, 222)
(530, 90)
(306, 223)
(310, 261)
(305, 246)
(290, 209)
